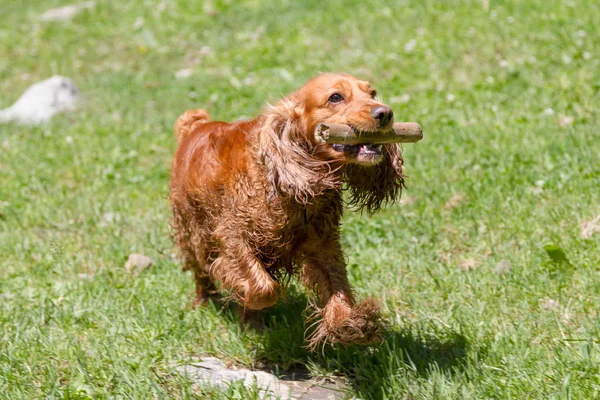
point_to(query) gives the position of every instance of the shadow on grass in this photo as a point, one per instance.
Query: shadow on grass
(411, 351)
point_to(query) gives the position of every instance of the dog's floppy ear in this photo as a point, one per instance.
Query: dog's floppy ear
(371, 187)
(287, 152)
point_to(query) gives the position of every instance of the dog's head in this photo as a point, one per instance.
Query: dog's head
(344, 99)
(301, 166)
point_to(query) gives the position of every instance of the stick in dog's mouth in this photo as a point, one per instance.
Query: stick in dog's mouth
(401, 132)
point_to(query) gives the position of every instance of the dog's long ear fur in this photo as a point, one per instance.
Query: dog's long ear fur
(371, 187)
(287, 153)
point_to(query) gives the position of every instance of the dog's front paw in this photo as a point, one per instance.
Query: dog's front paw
(361, 325)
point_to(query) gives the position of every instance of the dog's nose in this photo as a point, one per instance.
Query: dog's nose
(383, 115)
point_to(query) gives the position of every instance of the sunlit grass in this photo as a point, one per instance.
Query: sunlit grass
(475, 303)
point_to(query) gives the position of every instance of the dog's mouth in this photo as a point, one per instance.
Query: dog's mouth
(358, 149)
(364, 153)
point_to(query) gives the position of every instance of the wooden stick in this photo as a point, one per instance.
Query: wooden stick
(401, 132)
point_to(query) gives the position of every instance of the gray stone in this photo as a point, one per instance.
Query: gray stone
(212, 371)
(136, 263)
(42, 100)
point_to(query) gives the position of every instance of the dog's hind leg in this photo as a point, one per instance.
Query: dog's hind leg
(196, 259)
(193, 251)
(205, 287)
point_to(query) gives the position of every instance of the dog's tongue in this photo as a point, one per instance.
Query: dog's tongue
(368, 149)
(357, 148)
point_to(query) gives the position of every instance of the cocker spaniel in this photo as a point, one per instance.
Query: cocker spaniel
(257, 201)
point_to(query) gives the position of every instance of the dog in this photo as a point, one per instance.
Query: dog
(258, 201)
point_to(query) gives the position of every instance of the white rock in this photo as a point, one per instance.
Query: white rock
(65, 13)
(42, 100)
(212, 371)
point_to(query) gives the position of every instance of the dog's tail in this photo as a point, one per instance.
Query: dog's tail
(188, 121)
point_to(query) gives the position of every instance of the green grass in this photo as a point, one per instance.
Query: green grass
(491, 89)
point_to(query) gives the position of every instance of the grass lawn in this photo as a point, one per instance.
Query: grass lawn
(488, 287)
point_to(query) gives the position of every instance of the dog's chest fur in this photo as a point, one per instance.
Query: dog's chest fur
(281, 230)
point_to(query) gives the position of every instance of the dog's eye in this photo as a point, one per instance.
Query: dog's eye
(336, 98)
(373, 93)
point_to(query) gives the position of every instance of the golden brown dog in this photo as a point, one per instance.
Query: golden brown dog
(256, 201)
